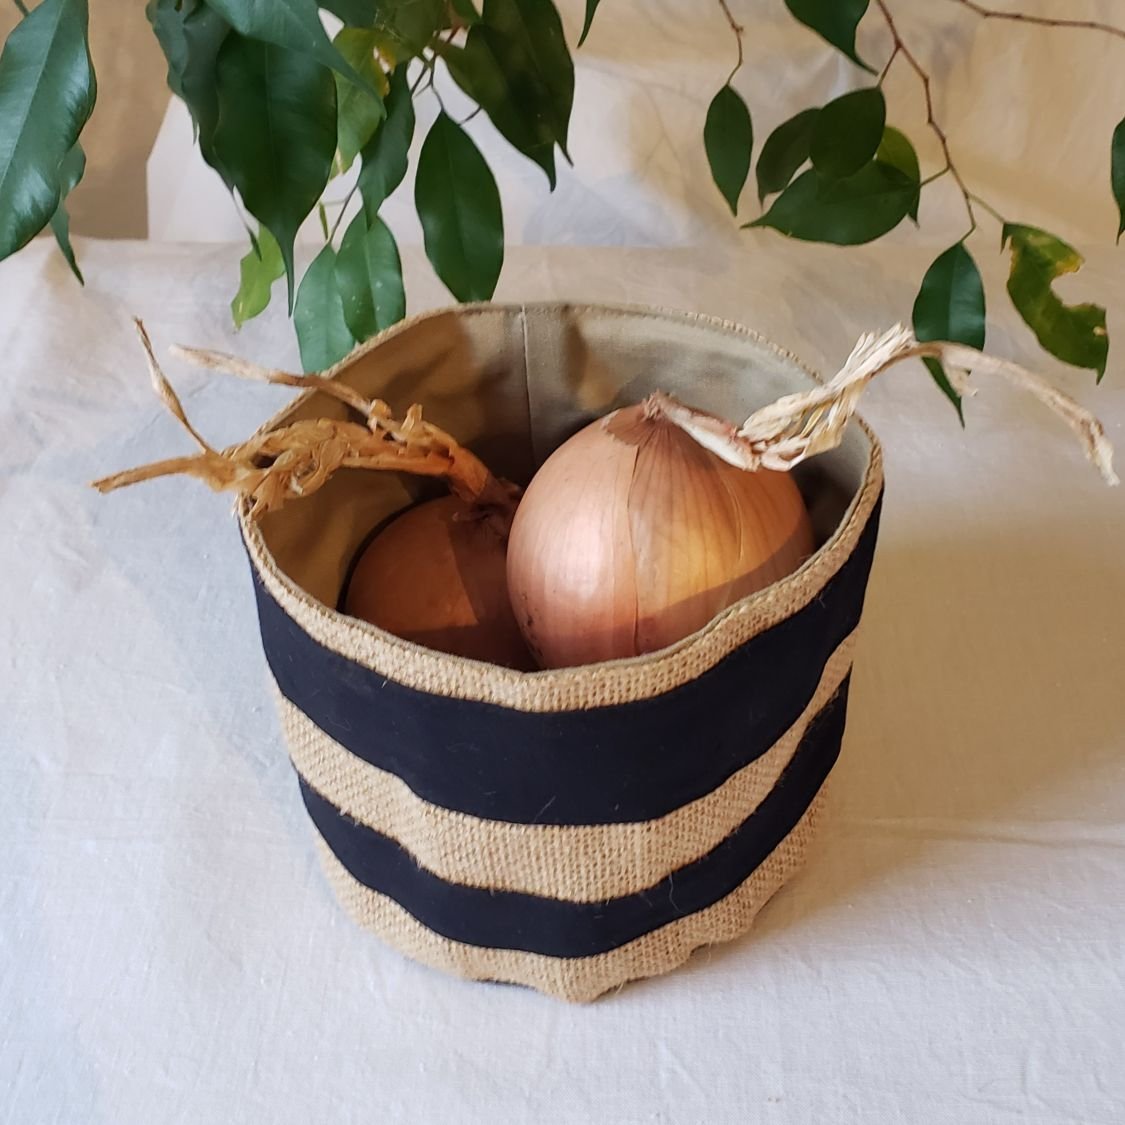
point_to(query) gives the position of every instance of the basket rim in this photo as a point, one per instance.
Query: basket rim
(547, 690)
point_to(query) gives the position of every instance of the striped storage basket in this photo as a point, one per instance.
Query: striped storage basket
(568, 830)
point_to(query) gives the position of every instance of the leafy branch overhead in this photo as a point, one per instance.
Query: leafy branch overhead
(841, 175)
(297, 118)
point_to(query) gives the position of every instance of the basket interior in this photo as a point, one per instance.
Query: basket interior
(513, 382)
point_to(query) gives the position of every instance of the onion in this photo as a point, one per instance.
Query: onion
(632, 536)
(435, 576)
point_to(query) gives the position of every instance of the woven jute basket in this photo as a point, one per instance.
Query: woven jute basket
(569, 830)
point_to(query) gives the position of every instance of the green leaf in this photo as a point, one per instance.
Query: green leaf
(1073, 333)
(1117, 173)
(834, 21)
(844, 212)
(191, 34)
(353, 13)
(47, 91)
(950, 306)
(587, 23)
(70, 175)
(385, 155)
(847, 133)
(294, 24)
(457, 201)
(516, 66)
(261, 267)
(896, 150)
(411, 24)
(322, 332)
(358, 110)
(785, 150)
(369, 278)
(728, 137)
(465, 11)
(276, 134)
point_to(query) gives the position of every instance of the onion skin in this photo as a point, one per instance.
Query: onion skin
(632, 536)
(436, 576)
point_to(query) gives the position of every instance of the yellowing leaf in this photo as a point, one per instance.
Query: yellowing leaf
(358, 110)
(258, 270)
(1073, 333)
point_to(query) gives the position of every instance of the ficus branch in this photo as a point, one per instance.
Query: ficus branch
(1040, 21)
(886, 69)
(901, 48)
(737, 28)
(343, 211)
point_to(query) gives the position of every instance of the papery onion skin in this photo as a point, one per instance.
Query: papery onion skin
(632, 536)
(435, 575)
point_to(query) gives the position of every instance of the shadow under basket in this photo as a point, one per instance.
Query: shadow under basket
(568, 830)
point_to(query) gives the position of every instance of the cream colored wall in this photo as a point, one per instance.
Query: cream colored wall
(132, 97)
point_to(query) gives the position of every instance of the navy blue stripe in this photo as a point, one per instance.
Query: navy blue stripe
(508, 920)
(629, 762)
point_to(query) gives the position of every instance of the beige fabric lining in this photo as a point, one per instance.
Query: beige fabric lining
(579, 979)
(579, 864)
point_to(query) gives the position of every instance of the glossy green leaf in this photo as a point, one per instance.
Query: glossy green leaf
(844, 212)
(950, 306)
(465, 11)
(896, 150)
(385, 155)
(369, 278)
(536, 27)
(588, 22)
(476, 69)
(47, 92)
(294, 24)
(785, 150)
(191, 34)
(411, 24)
(459, 207)
(513, 83)
(276, 134)
(358, 110)
(847, 133)
(1073, 333)
(258, 270)
(322, 333)
(70, 175)
(353, 13)
(1117, 173)
(728, 137)
(835, 21)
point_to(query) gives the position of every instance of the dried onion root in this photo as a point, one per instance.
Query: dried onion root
(294, 461)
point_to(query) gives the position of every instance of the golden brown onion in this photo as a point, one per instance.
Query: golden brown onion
(435, 576)
(632, 536)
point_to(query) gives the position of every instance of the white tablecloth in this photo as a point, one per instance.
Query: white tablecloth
(169, 952)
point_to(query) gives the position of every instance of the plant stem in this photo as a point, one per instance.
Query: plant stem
(1039, 21)
(427, 69)
(989, 208)
(931, 120)
(886, 69)
(22, 7)
(343, 211)
(737, 29)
